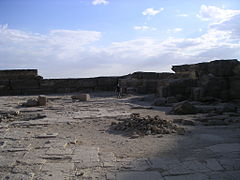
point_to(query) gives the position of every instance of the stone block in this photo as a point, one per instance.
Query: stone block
(81, 97)
(42, 100)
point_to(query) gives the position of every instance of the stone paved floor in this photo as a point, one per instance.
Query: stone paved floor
(41, 149)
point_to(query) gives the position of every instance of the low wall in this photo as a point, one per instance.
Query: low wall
(27, 82)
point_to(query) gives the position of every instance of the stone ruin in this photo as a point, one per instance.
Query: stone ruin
(219, 79)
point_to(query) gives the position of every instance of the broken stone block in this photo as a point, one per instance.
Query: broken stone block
(42, 100)
(160, 102)
(184, 108)
(188, 122)
(47, 135)
(81, 97)
(172, 99)
(227, 107)
(30, 103)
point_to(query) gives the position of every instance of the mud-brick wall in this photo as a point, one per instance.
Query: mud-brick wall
(27, 82)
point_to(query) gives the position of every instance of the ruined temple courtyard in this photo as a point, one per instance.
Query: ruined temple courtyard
(71, 139)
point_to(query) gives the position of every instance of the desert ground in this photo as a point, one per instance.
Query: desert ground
(68, 139)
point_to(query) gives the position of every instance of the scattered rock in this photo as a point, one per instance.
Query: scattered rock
(184, 108)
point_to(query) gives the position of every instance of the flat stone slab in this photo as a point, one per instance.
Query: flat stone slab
(213, 165)
(6, 162)
(108, 159)
(47, 135)
(143, 175)
(187, 177)
(15, 149)
(17, 177)
(169, 166)
(225, 148)
(59, 151)
(230, 164)
(196, 166)
(86, 156)
(63, 167)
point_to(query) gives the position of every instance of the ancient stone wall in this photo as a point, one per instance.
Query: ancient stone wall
(26, 82)
(216, 79)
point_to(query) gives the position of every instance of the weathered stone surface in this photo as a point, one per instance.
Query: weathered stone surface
(217, 68)
(224, 148)
(160, 102)
(18, 74)
(151, 175)
(187, 177)
(172, 99)
(86, 156)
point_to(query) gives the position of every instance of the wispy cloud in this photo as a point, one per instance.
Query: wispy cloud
(73, 53)
(144, 28)
(175, 30)
(215, 14)
(152, 12)
(97, 2)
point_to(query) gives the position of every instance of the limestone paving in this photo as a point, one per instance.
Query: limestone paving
(75, 141)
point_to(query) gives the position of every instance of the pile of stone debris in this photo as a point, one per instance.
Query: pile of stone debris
(9, 116)
(147, 125)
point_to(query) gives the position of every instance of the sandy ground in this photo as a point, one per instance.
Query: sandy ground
(75, 141)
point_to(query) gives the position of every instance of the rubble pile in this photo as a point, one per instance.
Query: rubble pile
(147, 125)
(10, 116)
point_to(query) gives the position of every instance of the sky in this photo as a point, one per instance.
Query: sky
(89, 38)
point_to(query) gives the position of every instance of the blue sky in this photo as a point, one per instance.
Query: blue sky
(85, 38)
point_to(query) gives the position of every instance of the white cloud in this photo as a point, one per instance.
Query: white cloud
(68, 53)
(215, 14)
(183, 15)
(175, 30)
(144, 28)
(152, 12)
(97, 2)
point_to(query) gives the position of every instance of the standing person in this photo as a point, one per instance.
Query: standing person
(118, 90)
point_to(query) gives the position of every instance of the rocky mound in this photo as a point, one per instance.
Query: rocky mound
(137, 125)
